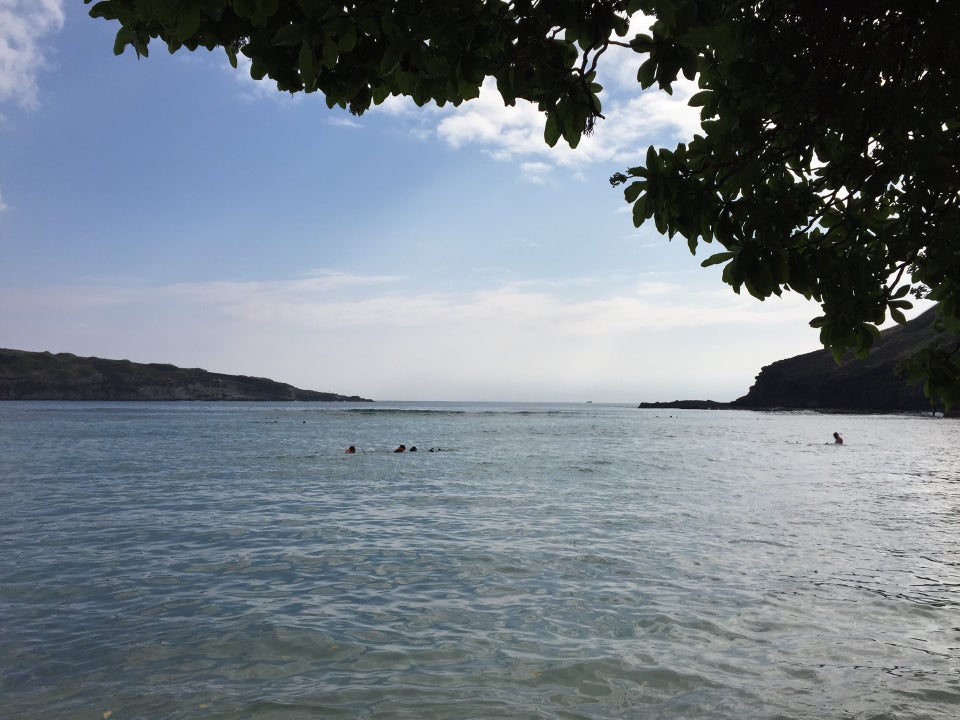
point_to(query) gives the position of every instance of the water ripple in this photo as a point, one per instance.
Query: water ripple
(191, 561)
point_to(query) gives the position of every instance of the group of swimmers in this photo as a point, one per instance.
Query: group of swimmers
(400, 448)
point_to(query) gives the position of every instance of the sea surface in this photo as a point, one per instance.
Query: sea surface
(221, 560)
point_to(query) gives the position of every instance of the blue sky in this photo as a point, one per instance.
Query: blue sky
(170, 209)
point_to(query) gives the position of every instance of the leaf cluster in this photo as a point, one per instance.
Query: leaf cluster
(829, 159)
(359, 53)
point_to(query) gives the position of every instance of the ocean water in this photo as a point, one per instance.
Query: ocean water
(204, 560)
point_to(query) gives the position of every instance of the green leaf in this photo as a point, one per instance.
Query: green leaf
(103, 9)
(642, 44)
(213, 9)
(268, 8)
(188, 22)
(652, 159)
(551, 132)
(348, 39)
(701, 98)
(244, 8)
(289, 35)
(633, 190)
(647, 74)
(718, 258)
(505, 86)
(330, 52)
(258, 69)
(306, 63)
(468, 90)
(689, 67)
(124, 37)
(572, 136)
(640, 211)
(379, 93)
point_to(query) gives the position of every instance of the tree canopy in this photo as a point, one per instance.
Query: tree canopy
(829, 158)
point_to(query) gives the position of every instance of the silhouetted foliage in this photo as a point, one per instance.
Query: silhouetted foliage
(829, 162)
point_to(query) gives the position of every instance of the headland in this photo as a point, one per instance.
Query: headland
(26, 375)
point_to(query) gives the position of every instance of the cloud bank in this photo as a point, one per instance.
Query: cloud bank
(368, 335)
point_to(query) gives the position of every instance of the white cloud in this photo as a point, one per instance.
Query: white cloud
(504, 131)
(324, 279)
(343, 121)
(3, 206)
(633, 121)
(23, 25)
(657, 288)
(535, 172)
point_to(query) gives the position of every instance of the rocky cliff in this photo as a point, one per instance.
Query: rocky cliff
(45, 376)
(815, 381)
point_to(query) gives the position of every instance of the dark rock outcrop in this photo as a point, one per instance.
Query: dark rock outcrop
(815, 381)
(45, 376)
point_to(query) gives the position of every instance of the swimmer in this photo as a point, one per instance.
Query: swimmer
(352, 449)
(401, 448)
(413, 448)
(837, 440)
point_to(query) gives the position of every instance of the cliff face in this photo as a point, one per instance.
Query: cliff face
(815, 381)
(45, 376)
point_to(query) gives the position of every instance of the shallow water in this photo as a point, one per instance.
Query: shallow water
(193, 560)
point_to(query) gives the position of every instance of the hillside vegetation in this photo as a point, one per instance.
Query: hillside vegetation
(46, 376)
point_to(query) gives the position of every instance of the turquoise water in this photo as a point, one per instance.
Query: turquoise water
(202, 560)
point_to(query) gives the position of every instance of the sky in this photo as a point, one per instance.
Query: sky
(170, 209)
